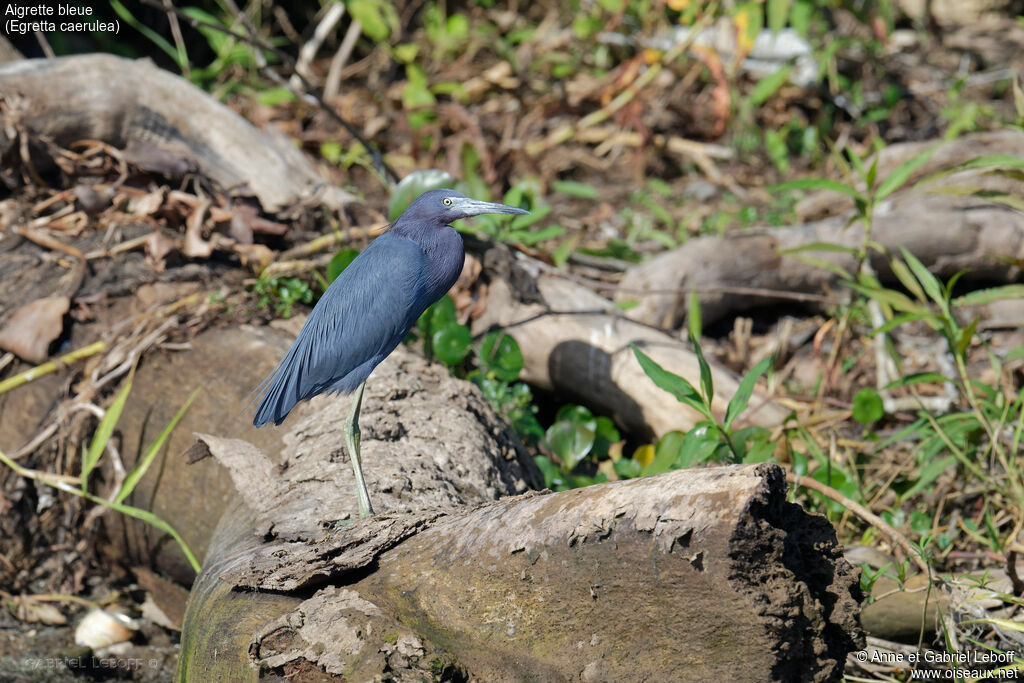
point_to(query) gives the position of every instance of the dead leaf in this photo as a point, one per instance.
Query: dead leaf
(195, 245)
(165, 600)
(257, 255)
(33, 327)
(147, 204)
(157, 247)
(31, 611)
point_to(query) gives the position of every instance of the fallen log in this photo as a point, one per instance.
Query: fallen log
(578, 344)
(162, 122)
(693, 575)
(947, 233)
(417, 423)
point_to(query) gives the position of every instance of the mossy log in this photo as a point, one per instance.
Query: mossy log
(692, 575)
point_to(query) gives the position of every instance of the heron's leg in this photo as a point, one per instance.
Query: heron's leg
(352, 443)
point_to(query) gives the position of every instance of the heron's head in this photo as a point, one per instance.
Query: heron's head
(442, 207)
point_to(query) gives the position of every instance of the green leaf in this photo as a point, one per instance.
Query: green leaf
(179, 57)
(442, 314)
(627, 468)
(133, 477)
(275, 96)
(693, 317)
(738, 403)
(920, 522)
(147, 517)
(767, 86)
(331, 150)
(816, 262)
(816, 184)
(103, 432)
(536, 215)
(416, 91)
(928, 474)
(777, 11)
(821, 246)
(605, 436)
(1006, 161)
(500, 355)
(451, 343)
(368, 13)
(928, 281)
(873, 172)
(987, 296)
(898, 320)
(966, 335)
(674, 384)
(903, 274)
(801, 14)
(897, 178)
(890, 297)
(666, 453)
(699, 446)
(916, 378)
(575, 189)
(570, 442)
(706, 381)
(340, 262)
(867, 406)
(415, 184)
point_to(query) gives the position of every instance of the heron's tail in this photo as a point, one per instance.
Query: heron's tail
(279, 392)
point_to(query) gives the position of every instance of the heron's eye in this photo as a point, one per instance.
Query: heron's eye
(447, 201)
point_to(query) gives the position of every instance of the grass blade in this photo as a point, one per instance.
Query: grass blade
(706, 382)
(672, 383)
(817, 184)
(901, 175)
(987, 296)
(132, 480)
(741, 398)
(928, 281)
(103, 433)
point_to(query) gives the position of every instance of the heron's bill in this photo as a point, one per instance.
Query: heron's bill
(475, 207)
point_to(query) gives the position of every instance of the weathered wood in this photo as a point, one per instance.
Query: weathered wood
(578, 344)
(419, 426)
(947, 233)
(693, 575)
(159, 119)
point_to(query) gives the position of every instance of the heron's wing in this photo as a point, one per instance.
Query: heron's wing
(360, 319)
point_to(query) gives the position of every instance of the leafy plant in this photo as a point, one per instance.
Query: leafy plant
(283, 293)
(576, 436)
(709, 439)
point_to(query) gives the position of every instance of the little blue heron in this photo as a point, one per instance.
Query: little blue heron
(369, 309)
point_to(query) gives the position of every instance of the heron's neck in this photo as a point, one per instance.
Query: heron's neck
(445, 256)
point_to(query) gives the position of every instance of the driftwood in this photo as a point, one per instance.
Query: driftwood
(692, 575)
(578, 344)
(162, 122)
(947, 233)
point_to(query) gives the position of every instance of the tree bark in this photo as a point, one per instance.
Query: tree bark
(692, 575)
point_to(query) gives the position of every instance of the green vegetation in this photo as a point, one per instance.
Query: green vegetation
(91, 458)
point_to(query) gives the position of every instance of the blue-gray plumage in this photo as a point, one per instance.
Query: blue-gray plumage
(368, 310)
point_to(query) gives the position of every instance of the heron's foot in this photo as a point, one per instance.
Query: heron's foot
(340, 525)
